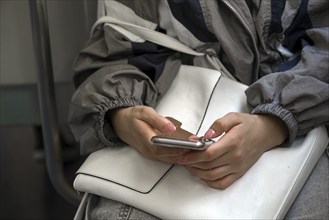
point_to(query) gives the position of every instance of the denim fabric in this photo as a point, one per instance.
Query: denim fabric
(102, 208)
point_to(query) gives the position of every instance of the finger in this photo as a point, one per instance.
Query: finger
(143, 129)
(210, 174)
(171, 152)
(158, 122)
(169, 155)
(224, 182)
(194, 138)
(218, 162)
(213, 152)
(165, 159)
(222, 125)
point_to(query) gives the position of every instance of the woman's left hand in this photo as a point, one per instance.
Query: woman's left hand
(246, 138)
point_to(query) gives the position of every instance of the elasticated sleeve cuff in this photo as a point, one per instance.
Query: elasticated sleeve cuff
(104, 129)
(93, 130)
(282, 113)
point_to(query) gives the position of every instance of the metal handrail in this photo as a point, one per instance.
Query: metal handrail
(46, 91)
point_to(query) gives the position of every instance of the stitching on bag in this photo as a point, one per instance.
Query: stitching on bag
(128, 187)
(208, 103)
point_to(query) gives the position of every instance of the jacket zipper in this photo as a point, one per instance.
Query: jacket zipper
(250, 33)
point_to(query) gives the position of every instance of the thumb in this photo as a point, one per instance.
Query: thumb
(158, 122)
(222, 125)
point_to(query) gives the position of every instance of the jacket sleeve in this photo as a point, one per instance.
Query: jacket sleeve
(111, 72)
(299, 96)
(108, 88)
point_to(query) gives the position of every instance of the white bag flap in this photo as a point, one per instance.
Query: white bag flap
(131, 170)
(188, 97)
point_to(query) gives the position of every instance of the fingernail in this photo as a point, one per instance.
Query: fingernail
(209, 134)
(170, 127)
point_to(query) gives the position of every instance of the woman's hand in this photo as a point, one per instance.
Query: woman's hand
(246, 138)
(137, 125)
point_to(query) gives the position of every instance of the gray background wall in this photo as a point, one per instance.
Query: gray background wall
(69, 25)
(25, 189)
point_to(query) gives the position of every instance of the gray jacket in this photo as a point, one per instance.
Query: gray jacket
(279, 48)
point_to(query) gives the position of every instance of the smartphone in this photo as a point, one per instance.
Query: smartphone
(181, 143)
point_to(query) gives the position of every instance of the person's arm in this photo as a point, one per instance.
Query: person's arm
(298, 96)
(113, 72)
(283, 104)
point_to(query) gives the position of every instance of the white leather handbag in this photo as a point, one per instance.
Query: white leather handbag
(169, 191)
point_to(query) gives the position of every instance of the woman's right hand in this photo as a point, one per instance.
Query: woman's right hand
(138, 124)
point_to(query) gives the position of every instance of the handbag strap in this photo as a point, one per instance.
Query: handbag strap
(140, 33)
(149, 35)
